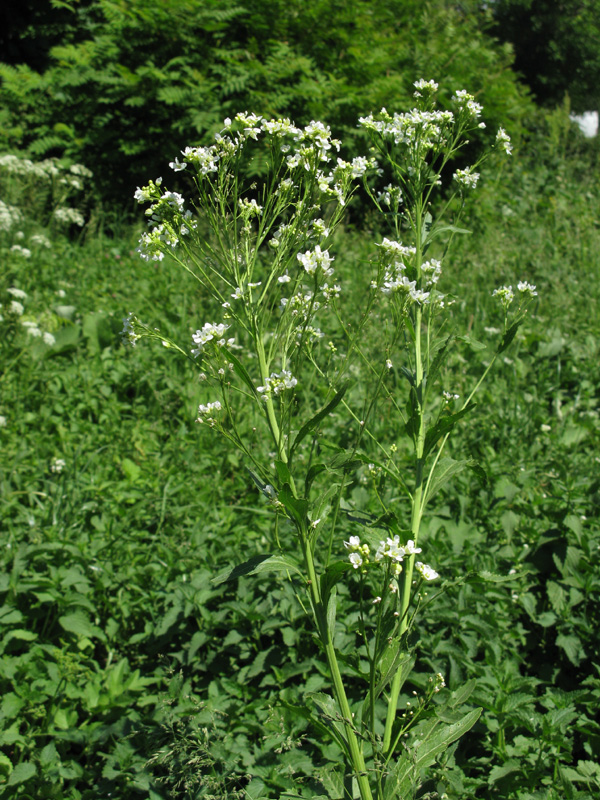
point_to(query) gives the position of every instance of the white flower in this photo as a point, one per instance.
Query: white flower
(355, 560)
(209, 331)
(391, 549)
(467, 103)
(353, 542)
(277, 383)
(505, 294)
(57, 465)
(424, 86)
(313, 259)
(411, 549)
(528, 288)
(427, 572)
(466, 177)
(48, 338)
(18, 293)
(204, 412)
(503, 140)
(16, 308)
(67, 216)
(2, 421)
(24, 252)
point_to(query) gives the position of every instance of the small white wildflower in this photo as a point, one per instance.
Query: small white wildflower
(448, 396)
(505, 294)
(527, 288)
(24, 252)
(355, 560)
(48, 339)
(466, 177)
(205, 410)
(16, 308)
(424, 86)
(2, 421)
(503, 140)
(209, 331)
(426, 572)
(411, 549)
(57, 465)
(389, 364)
(19, 294)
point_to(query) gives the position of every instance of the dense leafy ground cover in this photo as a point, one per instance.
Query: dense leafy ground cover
(126, 673)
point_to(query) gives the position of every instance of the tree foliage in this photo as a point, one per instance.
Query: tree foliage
(557, 47)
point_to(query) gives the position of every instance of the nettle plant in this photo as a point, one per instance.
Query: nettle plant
(260, 252)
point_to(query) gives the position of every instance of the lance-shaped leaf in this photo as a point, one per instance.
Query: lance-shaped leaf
(257, 564)
(446, 468)
(313, 422)
(509, 335)
(443, 426)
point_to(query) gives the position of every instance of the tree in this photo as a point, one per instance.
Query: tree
(557, 47)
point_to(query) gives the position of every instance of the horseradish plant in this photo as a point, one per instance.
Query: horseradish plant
(260, 252)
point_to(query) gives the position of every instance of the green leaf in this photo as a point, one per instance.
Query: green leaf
(78, 623)
(297, 508)
(331, 609)
(283, 472)
(572, 647)
(445, 469)
(258, 564)
(329, 714)
(443, 426)
(313, 422)
(473, 343)
(241, 372)
(509, 336)
(434, 738)
(21, 773)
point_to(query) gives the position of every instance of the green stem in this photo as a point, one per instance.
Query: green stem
(417, 498)
(320, 612)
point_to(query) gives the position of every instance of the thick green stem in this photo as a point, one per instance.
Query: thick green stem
(416, 507)
(356, 753)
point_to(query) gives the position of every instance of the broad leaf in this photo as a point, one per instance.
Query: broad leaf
(435, 737)
(257, 564)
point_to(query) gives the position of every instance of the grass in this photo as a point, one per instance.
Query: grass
(125, 672)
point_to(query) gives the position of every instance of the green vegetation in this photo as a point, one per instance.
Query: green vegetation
(126, 670)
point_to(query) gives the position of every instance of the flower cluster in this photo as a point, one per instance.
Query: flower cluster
(430, 128)
(359, 553)
(506, 293)
(205, 412)
(276, 384)
(68, 216)
(391, 551)
(315, 259)
(10, 217)
(466, 178)
(396, 276)
(466, 104)
(395, 552)
(210, 331)
(503, 141)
